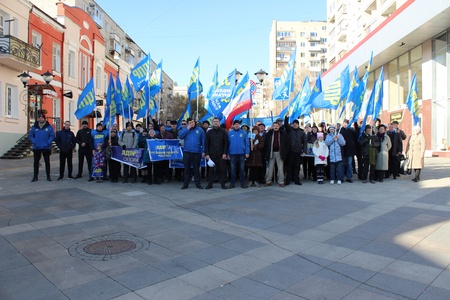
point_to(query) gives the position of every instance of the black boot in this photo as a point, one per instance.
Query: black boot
(144, 179)
(35, 178)
(418, 174)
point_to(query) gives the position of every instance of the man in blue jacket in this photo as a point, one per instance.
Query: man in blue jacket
(65, 139)
(41, 136)
(239, 151)
(194, 150)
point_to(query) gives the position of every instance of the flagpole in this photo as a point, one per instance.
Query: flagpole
(196, 86)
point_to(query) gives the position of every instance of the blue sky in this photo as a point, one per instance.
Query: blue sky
(230, 34)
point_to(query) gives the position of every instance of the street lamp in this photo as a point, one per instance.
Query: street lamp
(261, 76)
(34, 88)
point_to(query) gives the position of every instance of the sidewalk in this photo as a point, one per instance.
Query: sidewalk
(74, 239)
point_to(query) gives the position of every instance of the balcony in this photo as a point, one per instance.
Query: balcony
(387, 7)
(369, 5)
(314, 39)
(18, 54)
(96, 14)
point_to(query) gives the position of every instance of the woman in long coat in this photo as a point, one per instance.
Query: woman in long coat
(254, 161)
(382, 164)
(415, 152)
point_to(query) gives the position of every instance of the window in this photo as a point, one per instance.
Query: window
(302, 54)
(84, 69)
(302, 44)
(313, 44)
(98, 78)
(11, 101)
(313, 34)
(71, 66)
(323, 40)
(71, 112)
(324, 28)
(56, 58)
(36, 39)
(2, 24)
(399, 75)
(56, 107)
(302, 34)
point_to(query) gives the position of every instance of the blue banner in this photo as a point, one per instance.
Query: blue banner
(130, 156)
(164, 149)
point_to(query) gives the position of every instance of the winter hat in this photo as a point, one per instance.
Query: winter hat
(319, 134)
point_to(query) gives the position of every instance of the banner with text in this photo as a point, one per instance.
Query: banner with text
(164, 149)
(130, 156)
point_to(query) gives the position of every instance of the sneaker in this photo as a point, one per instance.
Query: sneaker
(339, 182)
(332, 182)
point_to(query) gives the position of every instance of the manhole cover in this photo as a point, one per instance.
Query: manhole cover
(108, 247)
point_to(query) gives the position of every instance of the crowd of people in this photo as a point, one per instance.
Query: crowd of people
(252, 157)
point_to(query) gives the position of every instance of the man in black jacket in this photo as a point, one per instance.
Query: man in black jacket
(297, 149)
(395, 151)
(65, 140)
(216, 150)
(351, 138)
(85, 147)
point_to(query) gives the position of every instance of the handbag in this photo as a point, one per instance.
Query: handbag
(404, 167)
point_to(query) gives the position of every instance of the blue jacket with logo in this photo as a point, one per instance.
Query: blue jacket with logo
(99, 137)
(194, 139)
(239, 142)
(42, 138)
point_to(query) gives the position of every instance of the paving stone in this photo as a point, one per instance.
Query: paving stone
(97, 290)
(170, 289)
(244, 289)
(397, 285)
(315, 287)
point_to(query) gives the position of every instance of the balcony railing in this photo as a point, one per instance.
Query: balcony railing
(20, 50)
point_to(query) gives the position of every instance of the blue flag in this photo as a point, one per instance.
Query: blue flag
(140, 73)
(213, 86)
(195, 86)
(337, 91)
(361, 92)
(127, 100)
(302, 100)
(378, 101)
(156, 80)
(110, 109)
(222, 95)
(305, 108)
(208, 117)
(144, 103)
(412, 100)
(118, 96)
(283, 112)
(286, 86)
(186, 114)
(86, 102)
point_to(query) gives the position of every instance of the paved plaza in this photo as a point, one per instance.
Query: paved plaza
(74, 239)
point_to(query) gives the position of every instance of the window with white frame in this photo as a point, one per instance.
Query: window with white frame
(71, 111)
(2, 24)
(36, 39)
(56, 107)
(71, 64)
(98, 78)
(11, 101)
(56, 58)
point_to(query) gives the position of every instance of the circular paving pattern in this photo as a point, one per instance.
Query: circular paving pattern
(108, 247)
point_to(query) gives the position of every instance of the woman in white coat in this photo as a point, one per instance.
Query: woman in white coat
(415, 152)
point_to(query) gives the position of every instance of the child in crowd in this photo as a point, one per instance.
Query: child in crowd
(98, 163)
(320, 150)
(335, 141)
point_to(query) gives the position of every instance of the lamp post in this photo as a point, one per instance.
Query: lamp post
(261, 76)
(34, 88)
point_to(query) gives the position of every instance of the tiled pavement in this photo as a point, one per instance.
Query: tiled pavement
(389, 240)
